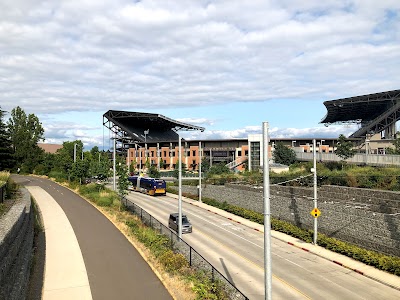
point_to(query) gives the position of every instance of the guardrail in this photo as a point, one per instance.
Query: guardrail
(368, 159)
(196, 261)
(3, 192)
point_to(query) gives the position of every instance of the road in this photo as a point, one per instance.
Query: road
(237, 252)
(115, 268)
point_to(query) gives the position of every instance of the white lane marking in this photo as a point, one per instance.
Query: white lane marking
(261, 247)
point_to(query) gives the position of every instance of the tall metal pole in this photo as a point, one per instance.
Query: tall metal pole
(267, 217)
(199, 171)
(74, 152)
(158, 157)
(129, 160)
(315, 192)
(180, 188)
(140, 160)
(114, 156)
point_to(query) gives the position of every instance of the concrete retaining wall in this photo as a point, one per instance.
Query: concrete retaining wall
(368, 218)
(16, 240)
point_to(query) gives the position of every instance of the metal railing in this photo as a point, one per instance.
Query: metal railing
(3, 192)
(236, 162)
(368, 159)
(196, 260)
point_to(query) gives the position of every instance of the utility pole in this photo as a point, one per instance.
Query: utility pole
(180, 187)
(267, 217)
(315, 192)
(199, 171)
(114, 159)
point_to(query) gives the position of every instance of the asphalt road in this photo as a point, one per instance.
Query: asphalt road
(115, 269)
(237, 252)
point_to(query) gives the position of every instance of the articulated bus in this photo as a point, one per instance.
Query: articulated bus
(150, 186)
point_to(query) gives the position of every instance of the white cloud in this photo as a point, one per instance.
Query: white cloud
(60, 56)
(275, 132)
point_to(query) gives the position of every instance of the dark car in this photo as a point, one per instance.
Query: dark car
(174, 222)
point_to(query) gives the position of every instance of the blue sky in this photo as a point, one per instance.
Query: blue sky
(224, 65)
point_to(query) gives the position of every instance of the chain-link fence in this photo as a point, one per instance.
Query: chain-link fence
(195, 259)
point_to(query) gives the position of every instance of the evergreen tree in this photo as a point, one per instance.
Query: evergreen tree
(283, 155)
(25, 132)
(205, 164)
(6, 157)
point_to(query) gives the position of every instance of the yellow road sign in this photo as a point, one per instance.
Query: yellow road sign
(315, 212)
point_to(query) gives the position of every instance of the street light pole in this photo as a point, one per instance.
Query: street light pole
(267, 216)
(74, 152)
(114, 159)
(199, 171)
(315, 193)
(146, 132)
(180, 188)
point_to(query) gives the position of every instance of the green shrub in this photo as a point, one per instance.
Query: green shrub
(173, 262)
(58, 175)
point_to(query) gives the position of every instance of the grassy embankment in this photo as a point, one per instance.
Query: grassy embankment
(172, 268)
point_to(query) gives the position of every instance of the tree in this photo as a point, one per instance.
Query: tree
(153, 172)
(205, 164)
(218, 169)
(283, 155)
(132, 166)
(396, 144)
(175, 173)
(344, 148)
(6, 152)
(123, 181)
(25, 132)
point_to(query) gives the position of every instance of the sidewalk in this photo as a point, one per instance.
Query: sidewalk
(65, 271)
(344, 261)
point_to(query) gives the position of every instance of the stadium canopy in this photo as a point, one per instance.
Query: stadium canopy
(375, 112)
(139, 127)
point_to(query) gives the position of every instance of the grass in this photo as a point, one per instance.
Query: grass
(4, 175)
(172, 268)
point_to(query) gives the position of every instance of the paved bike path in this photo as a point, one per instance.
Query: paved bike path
(115, 269)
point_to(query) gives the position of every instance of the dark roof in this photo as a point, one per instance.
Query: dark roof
(134, 124)
(360, 109)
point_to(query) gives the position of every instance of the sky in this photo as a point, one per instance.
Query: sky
(227, 65)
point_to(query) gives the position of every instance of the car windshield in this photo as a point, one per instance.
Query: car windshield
(185, 220)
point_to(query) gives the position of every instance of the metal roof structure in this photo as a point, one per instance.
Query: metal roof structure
(131, 127)
(375, 112)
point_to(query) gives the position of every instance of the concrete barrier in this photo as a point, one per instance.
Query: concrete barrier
(16, 242)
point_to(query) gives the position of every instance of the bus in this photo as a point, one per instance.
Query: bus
(149, 186)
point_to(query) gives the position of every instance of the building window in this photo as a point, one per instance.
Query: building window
(152, 153)
(194, 152)
(239, 153)
(255, 155)
(165, 153)
(246, 152)
(173, 153)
